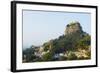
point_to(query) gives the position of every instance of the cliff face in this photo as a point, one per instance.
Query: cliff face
(73, 27)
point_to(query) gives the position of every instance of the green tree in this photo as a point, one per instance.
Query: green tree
(47, 57)
(84, 43)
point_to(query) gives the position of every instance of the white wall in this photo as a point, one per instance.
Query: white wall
(5, 37)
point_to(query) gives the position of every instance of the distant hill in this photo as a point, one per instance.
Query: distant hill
(74, 44)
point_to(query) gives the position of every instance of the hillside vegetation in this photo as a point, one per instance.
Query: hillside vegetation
(74, 44)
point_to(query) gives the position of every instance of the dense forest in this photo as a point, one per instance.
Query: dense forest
(74, 44)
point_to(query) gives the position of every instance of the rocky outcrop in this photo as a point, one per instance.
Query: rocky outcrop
(73, 27)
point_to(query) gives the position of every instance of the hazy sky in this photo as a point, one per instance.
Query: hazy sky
(41, 26)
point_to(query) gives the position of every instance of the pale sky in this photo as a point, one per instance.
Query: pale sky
(42, 26)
